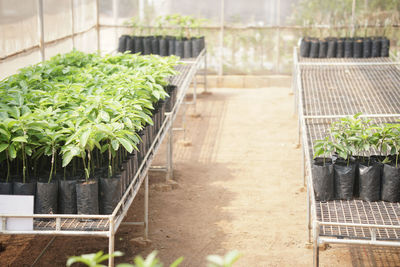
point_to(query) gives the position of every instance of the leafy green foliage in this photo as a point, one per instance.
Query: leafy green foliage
(354, 136)
(226, 261)
(95, 260)
(78, 105)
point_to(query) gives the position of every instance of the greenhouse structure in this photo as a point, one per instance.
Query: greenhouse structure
(199, 133)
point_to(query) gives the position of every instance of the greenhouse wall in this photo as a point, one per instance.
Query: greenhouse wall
(243, 37)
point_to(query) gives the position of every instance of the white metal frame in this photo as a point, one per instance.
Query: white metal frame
(116, 218)
(312, 221)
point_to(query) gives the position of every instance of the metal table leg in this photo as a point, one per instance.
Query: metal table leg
(146, 207)
(111, 244)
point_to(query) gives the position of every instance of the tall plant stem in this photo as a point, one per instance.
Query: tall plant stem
(84, 166)
(52, 165)
(8, 167)
(23, 163)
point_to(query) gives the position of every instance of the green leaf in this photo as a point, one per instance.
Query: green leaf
(5, 134)
(104, 116)
(115, 144)
(83, 138)
(67, 157)
(20, 139)
(12, 152)
(177, 262)
(126, 144)
(3, 147)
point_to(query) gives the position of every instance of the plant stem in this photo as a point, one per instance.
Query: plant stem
(8, 167)
(52, 165)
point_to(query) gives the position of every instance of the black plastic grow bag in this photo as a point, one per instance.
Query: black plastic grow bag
(323, 179)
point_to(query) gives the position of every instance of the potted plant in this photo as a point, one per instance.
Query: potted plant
(345, 136)
(390, 140)
(46, 200)
(369, 170)
(7, 152)
(322, 170)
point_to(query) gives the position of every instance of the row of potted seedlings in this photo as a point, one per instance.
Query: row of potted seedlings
(162, 45)
(75, 129)
(183, 38)
(331, 47)
(342, 170)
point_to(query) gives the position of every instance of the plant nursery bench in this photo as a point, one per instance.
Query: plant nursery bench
(107, 225)
(329, 89)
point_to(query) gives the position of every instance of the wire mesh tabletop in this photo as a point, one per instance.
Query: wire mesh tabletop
(342, 89)
(72, 225)
(183, 70)
(359, 212)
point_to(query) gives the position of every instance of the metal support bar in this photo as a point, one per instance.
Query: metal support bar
(146, 207)
(98, 25)
(43, 251)
(72, 23)
(347, 63)
(205, 71)
(111, 244)
(133, 223)
(169, 155)
(41, 29)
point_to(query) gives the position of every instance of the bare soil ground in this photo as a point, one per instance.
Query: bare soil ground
(239, 186)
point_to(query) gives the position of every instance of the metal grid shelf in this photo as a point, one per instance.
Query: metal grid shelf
(341, 89)
(72, 225)
(358, 212)
(326, 90)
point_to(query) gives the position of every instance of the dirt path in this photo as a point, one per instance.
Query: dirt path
(239, 187)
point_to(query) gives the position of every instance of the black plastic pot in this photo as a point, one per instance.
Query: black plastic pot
(67, 197)
(196, 46)
(376, 47)
(305, 45)
(348, 47)
(179, 48)
(323, 179)
(155, 46)
(172, 91)
(147, 41)
(390, 183)
(202, 43)
(87, 197)
(369, 178)
(367, 46)
(171, 45)
(110, 194)
(314, 49)
(163, 47)
(28, 188)
(122, 43)
(385, 45)
(344, 179)
(6, 188)
(130, 45)
(332, 44)
(187, 48)
(142, 146)
(340, 48)
(358, 48)
(323, 48)
(138, 40)
(46, 199)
